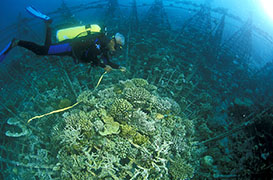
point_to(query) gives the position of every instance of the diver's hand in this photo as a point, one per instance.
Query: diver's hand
(108, 68)
(122, 69)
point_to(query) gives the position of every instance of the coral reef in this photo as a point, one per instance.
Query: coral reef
(128, 139)
(179, 169)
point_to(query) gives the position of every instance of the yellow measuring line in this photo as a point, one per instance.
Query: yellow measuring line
(64, 109)
(100, 79)
(52, 112)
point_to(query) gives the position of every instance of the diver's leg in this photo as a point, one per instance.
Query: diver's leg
(64, 49)
(36, 13)
(6, 50)
(48, 34)
(60, 49)
(37, 49)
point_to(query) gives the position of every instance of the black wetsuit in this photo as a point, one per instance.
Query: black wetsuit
(83, 49)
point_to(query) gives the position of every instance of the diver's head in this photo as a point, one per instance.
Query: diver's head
(116, 42)
(120, 40)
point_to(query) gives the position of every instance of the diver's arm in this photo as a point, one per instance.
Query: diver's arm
(113, 65)
(106, 61)
(106, 67)
(100, 64)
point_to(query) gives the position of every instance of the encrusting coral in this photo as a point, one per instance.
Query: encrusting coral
(131, 134)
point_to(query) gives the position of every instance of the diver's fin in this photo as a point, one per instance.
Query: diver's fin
(38, 14)
(5, 51)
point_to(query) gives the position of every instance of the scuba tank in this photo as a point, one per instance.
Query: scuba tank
(78, 31)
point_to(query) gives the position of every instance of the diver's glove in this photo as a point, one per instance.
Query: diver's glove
(122, 69)
(108, 68)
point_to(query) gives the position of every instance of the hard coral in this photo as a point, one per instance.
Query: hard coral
(110, 128)
(123, 149)
(126, 131)
(107, 93)
(138, 96)
(144, 123)
(127, 84)
(130, 133)
(163, 105)
(140, 82)
(179, 169)
(87, 98)
(140, 139)
(121, 109)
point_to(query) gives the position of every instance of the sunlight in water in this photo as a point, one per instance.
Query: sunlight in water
(268, 6)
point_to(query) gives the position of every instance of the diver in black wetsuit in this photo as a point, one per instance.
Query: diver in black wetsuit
(94, 48)
(83, 49)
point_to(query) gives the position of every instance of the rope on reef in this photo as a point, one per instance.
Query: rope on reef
(64, 109)
(100, 79)
(53, 112)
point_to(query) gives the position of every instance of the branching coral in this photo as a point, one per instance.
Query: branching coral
(140, 82)
(87, 98)
(138, 96)
(144, 123)
(130, 133)
(107, 93)
(162, 105)
(127, 84)
(122, 148)
(121, 109)
(180, 169)
(153, 164)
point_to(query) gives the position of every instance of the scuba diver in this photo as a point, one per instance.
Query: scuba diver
(85, 44)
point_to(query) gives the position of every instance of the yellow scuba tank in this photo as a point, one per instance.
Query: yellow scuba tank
(78, 31)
